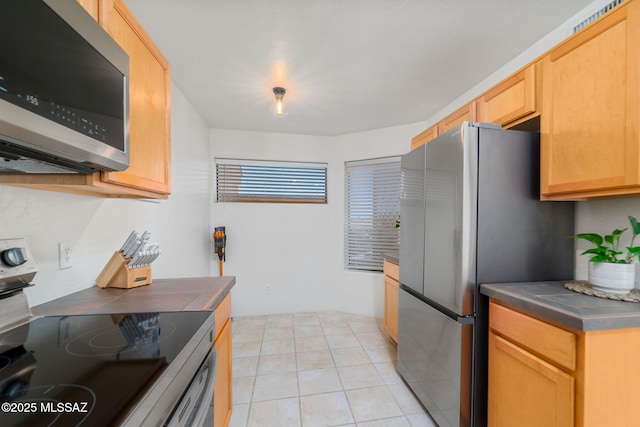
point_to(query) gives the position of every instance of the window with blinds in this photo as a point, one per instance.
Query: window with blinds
(372, 206)
(275, 182)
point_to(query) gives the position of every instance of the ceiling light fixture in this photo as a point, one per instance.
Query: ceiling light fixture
(279, 94)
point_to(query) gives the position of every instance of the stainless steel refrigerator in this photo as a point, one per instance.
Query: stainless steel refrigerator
(470, 214)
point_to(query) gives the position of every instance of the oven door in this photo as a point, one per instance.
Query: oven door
(195, 403)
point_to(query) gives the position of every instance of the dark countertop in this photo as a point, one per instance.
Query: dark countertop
(552, 301)
(179, 294)
(393, 257)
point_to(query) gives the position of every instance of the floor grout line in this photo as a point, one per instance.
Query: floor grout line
(277, 321)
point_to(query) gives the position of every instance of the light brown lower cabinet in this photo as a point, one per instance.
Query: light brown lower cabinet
(391, 296)
(222, 391)
(541, 374)
(526, 388)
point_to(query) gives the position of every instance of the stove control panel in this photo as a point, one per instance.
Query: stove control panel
(17, 268)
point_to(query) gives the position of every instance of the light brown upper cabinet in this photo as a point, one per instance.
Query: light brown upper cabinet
(424, 137)
(465, 113)
(149, 108)
(149, 173)
(590, 116)
(90, 6)
(513, 100)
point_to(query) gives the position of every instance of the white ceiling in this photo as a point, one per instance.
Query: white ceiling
(347, 65)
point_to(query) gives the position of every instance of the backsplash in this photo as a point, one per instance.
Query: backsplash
(602, 217)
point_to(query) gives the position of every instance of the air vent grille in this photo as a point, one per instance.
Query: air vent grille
(596, 15)
(14, 158)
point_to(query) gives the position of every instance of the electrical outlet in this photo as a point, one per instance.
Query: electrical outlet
(64, 255)
(268, 289)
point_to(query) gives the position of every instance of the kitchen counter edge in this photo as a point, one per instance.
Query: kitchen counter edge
(393, 257)
(552, 301)
(175, 294)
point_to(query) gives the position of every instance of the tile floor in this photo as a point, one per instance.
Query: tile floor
(318, 369)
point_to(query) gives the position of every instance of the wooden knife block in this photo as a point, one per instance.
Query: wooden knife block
(115, 274)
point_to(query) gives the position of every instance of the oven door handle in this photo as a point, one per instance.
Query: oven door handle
(188, 413)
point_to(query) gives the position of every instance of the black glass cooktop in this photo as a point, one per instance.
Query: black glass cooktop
(86, 370)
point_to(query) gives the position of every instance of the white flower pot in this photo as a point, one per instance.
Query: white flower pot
(612, 278)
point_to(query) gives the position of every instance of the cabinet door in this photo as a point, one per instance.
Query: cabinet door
(424, 137)
(514, 99)
(590, 114)
(149, 108)
(222, 403)
(466, 113)
(391, 290)
(90, 6)
(524, 390)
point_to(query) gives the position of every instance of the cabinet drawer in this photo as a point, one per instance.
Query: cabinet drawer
(550, 342)
(223, 312)
(392, 270)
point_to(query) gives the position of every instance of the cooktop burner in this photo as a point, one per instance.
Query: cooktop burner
(87, 370)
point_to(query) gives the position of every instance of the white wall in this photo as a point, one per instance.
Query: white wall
(602, 217)
(96, 227)
(297, 250)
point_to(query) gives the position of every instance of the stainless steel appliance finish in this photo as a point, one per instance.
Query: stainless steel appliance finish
(471, 214)
(126, 369)
(17, 268)
(196, 401)
(63, 91)
(183, 392)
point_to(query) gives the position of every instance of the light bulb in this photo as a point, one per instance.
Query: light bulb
(279, 107)
(279, 94)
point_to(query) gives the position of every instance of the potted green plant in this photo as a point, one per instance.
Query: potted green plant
(611, 269)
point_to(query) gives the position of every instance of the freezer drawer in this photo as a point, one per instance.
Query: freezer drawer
(435, 359)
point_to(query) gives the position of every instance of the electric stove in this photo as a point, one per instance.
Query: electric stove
(103, 369)
(127, 369)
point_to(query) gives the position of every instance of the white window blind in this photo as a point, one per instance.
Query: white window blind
(372, 206)
(278, 182)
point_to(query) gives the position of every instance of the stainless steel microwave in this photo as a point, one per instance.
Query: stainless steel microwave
(63, 91)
